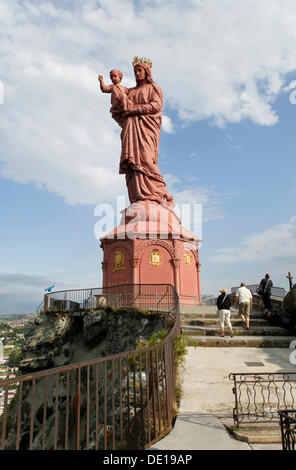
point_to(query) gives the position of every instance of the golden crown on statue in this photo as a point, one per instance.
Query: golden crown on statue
(139, 60)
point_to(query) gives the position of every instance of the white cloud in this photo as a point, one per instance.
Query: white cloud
(18, 279)
(21, 293)
(167, 124)
(276, 244)
(229, 137)
(207, 196)
(223, 60)
(7, 250)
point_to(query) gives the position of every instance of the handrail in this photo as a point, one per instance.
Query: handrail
(288, 429)
(126, 399)
(75, 299)
(163, 296)
(259, 396)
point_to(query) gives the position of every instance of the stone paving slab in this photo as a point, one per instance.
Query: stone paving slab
(207, 399)
(209, 368)
(199, 432)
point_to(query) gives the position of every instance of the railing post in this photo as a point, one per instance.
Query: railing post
(77, 407)
(235, 409)
(46, 302)
(282, 431)
(4, 419)
(168, 382)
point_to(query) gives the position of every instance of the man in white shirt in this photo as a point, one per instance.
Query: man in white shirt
(244, 300)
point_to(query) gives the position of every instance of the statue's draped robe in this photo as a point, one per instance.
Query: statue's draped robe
(140, 140)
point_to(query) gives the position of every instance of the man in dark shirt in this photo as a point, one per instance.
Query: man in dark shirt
(265, 289)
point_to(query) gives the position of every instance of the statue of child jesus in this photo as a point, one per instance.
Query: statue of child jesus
(119, 99)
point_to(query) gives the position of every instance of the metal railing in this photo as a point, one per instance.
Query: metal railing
(123, 401)
(153, 297)
(288, 429)
(259, 397)
(194, 299)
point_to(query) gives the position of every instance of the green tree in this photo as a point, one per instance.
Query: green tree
(14, 358)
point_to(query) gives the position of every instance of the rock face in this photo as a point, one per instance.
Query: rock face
(60, 339)
(288, 309)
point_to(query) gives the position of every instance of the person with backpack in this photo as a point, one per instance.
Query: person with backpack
(223, 305)
(265, 290)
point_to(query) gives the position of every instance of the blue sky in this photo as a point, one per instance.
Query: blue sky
(227, 142)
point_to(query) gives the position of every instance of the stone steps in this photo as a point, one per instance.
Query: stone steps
(255, 433)
(253, 331)
(234, 314)
(201, 325)
(200, 321)
(242, 341)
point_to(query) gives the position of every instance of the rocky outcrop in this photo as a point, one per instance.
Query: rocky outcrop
(60, 339)
(288, 309)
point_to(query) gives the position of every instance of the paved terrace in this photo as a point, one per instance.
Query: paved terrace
(207, 400)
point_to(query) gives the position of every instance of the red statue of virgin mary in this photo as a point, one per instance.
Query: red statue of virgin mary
(140, 138)
(140, 119)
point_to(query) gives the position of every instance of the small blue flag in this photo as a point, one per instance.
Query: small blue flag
(48, 289)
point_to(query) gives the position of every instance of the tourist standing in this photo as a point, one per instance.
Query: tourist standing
(244, 301)
(265, 290)
(223, 305)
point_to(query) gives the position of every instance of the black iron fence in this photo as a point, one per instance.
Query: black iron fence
(288, 429)
(259, 397)
(124, 401)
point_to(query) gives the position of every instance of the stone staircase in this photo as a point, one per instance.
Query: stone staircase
(201, 324)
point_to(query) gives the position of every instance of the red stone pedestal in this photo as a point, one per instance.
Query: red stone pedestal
(151, 247)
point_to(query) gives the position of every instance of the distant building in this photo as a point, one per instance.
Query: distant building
(208, 299)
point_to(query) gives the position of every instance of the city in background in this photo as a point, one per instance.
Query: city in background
(12, 335)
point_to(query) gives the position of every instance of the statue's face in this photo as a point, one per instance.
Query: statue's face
(115, 77)
(140, 73)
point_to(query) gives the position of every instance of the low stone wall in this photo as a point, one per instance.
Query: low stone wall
(276, 302)
(279, 314)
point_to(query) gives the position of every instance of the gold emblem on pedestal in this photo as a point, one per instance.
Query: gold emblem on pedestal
(118, 261)
(155, 258)
(187, 257)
